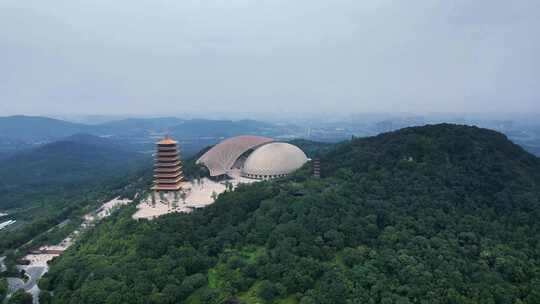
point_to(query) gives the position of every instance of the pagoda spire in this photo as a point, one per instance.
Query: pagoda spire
(167, 168)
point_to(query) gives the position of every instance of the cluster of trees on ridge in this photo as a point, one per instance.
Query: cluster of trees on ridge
(435, 214)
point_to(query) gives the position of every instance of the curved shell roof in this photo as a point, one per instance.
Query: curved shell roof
(220, 159)
(275, 158)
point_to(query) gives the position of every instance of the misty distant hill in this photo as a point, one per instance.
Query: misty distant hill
(131, 125)
(185, 129)
(27, 129)
(30, 128)
(312, 148)
(20, 133)
(220, 128)
(69, 160)
(139, 134)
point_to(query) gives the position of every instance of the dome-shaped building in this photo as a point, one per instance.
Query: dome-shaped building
(225, 156)
(252, 157)
(275, 159)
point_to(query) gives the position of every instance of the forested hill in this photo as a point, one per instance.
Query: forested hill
(69, 160)
(435, 214)
(438, 145)
(28, 128)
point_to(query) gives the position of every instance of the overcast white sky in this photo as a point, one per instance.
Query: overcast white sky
(269, 56)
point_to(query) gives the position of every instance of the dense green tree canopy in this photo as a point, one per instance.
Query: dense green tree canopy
(3, 288)
(436, 214)
(20, 297)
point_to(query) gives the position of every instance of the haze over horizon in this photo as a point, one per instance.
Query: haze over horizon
(239, 56)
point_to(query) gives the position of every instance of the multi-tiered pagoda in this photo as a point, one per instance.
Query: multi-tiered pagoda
(168, 168)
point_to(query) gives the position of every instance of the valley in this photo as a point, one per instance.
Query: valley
(47, 193)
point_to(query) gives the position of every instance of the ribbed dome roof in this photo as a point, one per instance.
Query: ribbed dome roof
(274, 159)
(220, 159)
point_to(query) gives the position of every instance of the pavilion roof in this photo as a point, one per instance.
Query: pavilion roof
(166, 141)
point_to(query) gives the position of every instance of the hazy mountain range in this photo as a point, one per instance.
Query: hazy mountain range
(139, 134)
(136, 134)
(71, 160)
(32, 129)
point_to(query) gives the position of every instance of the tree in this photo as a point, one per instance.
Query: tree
(268, 291)
(45, 297)
(3, 289)
(172, 293)
(20, 297)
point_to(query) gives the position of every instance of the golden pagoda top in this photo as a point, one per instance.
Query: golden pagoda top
(166, 141)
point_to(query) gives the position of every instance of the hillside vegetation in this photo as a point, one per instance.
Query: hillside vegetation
(59, 168)
(68, 161)
(436, 214)
(58, 183)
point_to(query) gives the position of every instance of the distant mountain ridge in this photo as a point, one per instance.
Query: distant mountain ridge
(30, 128)
(219, 128)
(34, 128)
(19, 133)
(69, 160)
(138, 124)
(139, 134)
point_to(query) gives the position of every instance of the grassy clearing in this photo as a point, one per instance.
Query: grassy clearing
(251, 253)
(250, 296)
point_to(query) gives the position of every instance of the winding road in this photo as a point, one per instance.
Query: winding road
(33, 273)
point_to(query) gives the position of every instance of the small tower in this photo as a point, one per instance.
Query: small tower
(317, 168)
(167, 169)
